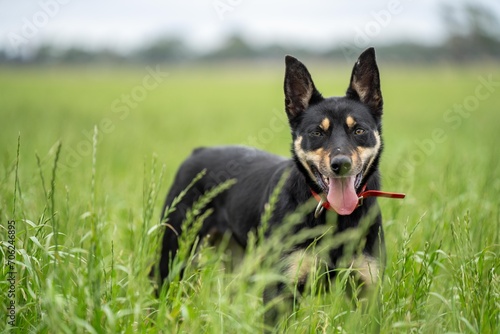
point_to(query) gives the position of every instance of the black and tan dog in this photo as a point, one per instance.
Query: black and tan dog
(336, 150)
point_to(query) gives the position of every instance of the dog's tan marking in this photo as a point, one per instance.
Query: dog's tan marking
(350, 122)
(307, 95)
(303, 99)
(368, 154)
(364, 93)
(367, 270)
(320, 158)
(360, 89)
(356, 161)
(325, 124)
(299, 265)
(301, 154)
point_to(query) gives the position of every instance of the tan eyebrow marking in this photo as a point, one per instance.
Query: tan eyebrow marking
(325, 124)
(350, 121)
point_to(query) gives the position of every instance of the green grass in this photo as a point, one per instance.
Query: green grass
(87, 206)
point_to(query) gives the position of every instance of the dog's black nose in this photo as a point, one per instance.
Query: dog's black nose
(341, 164)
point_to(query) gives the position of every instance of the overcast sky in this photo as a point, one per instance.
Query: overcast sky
(204, 24)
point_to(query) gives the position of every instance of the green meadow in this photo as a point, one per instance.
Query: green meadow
(88, 154)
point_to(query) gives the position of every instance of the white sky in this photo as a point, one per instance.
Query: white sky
(126, 24)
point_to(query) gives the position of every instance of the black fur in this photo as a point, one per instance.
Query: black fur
(238, 210)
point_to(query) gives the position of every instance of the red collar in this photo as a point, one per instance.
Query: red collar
(323, 203)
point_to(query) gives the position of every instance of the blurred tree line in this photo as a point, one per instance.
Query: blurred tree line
(473, 35)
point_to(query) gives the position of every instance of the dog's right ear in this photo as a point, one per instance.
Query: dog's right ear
(300, 92)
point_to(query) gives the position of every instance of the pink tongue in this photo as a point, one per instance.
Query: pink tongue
(342, 195)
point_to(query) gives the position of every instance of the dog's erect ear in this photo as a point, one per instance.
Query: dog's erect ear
(300, 92)
(365, 82)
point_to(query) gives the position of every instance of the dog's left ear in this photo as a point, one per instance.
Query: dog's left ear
(300, 92)
(365, 82)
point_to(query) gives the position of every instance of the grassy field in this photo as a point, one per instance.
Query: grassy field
(82, 210)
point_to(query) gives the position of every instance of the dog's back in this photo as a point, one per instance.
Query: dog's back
(237, 210)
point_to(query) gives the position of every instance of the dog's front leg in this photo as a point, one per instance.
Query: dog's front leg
(297, 268)
(366, 271)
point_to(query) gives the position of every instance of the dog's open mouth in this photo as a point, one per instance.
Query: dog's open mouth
(340, 191)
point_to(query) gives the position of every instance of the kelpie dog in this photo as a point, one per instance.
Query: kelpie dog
(336, 150)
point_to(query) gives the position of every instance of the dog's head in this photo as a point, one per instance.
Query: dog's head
(337, 140)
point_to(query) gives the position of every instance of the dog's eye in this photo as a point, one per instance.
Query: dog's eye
(359, 131)
(315, 134)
